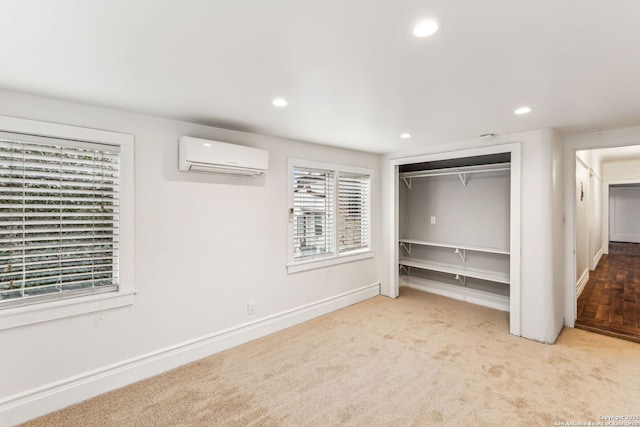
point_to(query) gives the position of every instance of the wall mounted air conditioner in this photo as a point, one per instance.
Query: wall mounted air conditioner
(205, 156)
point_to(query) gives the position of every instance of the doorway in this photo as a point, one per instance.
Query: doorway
(607, 241)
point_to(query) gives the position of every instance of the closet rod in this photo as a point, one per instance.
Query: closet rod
(456, 171)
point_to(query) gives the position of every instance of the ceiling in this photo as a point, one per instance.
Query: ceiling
(352, 72)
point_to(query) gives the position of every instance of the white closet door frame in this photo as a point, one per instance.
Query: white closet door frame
(515, 149)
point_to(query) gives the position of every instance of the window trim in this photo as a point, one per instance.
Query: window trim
(17, 316)
(294, 266)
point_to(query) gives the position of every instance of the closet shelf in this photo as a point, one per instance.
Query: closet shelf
(494, 300)
(460, 171)
(453, 246)
(491, 276)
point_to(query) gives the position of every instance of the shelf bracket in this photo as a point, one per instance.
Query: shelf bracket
(463, 178)
(462, 280)
(406, 269)
(462, 253)
(406, 248)
(407, 181)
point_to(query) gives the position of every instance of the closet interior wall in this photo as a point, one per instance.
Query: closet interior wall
(454, 233)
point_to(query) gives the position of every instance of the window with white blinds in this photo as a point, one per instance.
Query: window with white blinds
(59, 219)
(313, 230)
(330, 211)
(353, 212)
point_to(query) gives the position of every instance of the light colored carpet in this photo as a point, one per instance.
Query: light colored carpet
(415, 361)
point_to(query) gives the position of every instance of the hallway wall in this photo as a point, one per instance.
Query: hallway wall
(624, 216)
(582, 224)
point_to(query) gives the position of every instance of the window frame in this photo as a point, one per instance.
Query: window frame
(16, 316)
(293, 265)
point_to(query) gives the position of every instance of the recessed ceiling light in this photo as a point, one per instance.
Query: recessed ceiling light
(523, 110)
(207, 144)
(405, 135)
(280, 102)
(425, 28)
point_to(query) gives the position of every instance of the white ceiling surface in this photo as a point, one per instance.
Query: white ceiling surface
(352, 72)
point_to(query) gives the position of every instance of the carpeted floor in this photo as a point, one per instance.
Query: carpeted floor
(418, 360)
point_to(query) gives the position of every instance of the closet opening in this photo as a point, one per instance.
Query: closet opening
(457, 218)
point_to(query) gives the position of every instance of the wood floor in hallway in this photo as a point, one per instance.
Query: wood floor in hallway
(610, 301)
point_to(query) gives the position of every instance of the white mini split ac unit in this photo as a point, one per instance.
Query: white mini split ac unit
(205, 156)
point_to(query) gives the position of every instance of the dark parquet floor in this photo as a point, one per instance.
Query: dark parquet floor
(610, 301)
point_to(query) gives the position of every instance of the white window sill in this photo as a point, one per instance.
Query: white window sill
(326, 262)
(46, 311)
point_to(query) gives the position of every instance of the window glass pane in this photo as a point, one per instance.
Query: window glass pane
(313, 230)
(59, 208)
(353, 212)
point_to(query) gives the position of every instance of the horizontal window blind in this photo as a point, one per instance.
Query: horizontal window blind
(353, 212)
(59, 210)
(313, 229)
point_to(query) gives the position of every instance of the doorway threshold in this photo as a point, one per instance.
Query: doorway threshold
(612, 331)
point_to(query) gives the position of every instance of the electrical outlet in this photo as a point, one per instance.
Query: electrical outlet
(433, 220)
(251, 308)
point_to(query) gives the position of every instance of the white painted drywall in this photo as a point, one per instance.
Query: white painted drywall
(599, 226)
(623, 170)
(589, 174)
(582, 220)
(624, 213)
(595, 219)
(541, 299)
(556, 308)
(390, 213)
(616, 172)
(473, 215)
(204, 247)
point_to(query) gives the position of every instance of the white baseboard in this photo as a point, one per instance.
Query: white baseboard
(596, 259)
(33, 403)
(584, 278)
(498, 302)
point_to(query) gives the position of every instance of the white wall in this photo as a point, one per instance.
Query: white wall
(582, 222)
(589, 214)
(541, 298)
(622, 170)
(596, 224)
(624, 217)
(556, 309)
(473, 215)
(593, 161)
(205, 245)
(616, 172)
